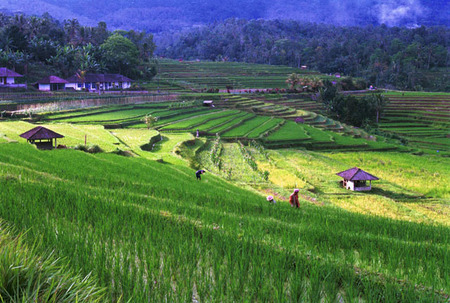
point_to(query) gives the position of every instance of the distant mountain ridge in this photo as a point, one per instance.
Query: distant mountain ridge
(158, 16)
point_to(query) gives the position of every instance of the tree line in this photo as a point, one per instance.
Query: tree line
(404, 58)
(41, 46)
(358, 111)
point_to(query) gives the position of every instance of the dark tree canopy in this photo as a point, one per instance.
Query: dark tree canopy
(406, 58)
(39, 46)
(122, 55)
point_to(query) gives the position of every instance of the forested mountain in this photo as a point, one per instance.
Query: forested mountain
(404, 58)
(159, 15)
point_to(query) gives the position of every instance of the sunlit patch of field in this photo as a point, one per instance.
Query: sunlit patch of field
(280, 176)
(434, 212)
(73, 134)
(426, 175)
(372, 204)
(401, 193)
(134, 138)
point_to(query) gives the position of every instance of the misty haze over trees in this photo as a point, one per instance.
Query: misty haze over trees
(157, 15)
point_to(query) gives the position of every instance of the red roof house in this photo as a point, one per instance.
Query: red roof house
(7, 76)
(51, 83)
(356, 179)
(43, 136)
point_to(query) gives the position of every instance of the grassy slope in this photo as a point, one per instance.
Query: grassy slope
(404, 191)
(27, 277)
(156, 232)
(73, 134)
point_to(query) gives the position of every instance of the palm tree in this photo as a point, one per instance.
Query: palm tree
(379, 102)
(315, 83)
(81, 74)
(293, 80)
(149, 120)
(72, 28)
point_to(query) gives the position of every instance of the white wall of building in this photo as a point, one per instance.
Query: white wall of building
(350, 185)
(44, 87)
(74, 86)
(103, 85)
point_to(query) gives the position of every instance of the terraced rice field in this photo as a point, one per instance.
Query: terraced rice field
(263, 128)
(246, 128)
(148, 231)
(422, 118)
(290, 131)
(231, 124)
(197, 75)
(197, 121)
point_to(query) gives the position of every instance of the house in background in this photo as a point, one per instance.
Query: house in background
(7, 78)
(356, 179)
(94, 82)
(51, 83)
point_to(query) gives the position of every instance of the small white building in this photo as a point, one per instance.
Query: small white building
(95, 82)
(51, 83)
(208, 103)
(7, 76)
(356, 179)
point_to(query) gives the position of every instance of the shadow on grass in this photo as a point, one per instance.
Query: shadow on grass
(158, 145)
(398, 197)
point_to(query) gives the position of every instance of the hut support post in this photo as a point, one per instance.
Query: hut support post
(55, 142)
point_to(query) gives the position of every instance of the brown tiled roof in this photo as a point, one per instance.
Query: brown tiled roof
(4, 72)
(99, 78)
(356, 174)
(51, 79)
(39, 133)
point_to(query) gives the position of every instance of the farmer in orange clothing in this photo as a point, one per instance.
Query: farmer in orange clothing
(293, 199)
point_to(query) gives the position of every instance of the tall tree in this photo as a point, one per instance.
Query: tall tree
(122, 56)
(72, 29)
(379, 103)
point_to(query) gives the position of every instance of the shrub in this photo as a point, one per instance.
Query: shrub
(80, 147)
(124, 153)
(94, 149)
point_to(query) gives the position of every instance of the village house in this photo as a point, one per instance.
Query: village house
(7, 78)
(356, 179)
(42, 137)
(94, 82)
(51, 83)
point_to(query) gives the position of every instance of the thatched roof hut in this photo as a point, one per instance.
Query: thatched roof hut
(356, 179)
(42, 137)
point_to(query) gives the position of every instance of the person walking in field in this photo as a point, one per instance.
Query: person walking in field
(199, 173)
(293, 199)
